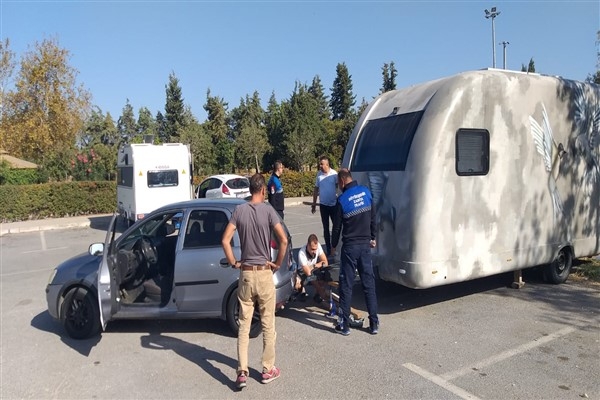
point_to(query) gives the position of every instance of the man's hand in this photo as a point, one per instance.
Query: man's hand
(313, 208)
(274, 267)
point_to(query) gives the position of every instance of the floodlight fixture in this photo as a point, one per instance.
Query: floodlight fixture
(493, 14)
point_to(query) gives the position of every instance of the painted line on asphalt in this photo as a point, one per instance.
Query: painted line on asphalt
(507, 354)
(441, 382)
(43, 239)
(42, 250)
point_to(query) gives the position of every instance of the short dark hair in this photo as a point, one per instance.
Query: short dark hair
(344, 174)
(324, 157)
(312, 238)
(257, 182)
(277, 164)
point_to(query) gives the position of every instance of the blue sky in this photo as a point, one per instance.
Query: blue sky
(127, 49)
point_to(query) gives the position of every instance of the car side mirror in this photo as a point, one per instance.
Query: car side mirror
(96, 249)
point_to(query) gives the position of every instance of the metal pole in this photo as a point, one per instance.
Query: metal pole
(493, 14)
(493, 43)
(504, 44)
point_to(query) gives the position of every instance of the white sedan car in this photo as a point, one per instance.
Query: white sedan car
(224, 186)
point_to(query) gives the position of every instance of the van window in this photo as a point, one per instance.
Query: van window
(472, 152)
(125, 176)
(384, 143)
(167, 177)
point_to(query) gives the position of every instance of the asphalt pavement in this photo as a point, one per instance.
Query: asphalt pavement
(88, 220)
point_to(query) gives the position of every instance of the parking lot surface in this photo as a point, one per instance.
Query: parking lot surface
(474, 340)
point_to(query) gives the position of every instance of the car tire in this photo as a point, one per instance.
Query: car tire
(232, 314)
(79, 314)
(558, 270)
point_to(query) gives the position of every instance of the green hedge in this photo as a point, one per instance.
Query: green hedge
(64, 199)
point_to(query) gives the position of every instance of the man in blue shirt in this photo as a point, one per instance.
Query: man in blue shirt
(326, 189)
(275, 189)
(354, 217)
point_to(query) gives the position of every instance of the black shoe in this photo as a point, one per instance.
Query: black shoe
(317, 299)
(374, 328)
(339, 328)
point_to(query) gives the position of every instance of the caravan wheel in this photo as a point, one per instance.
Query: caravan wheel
(558, 271)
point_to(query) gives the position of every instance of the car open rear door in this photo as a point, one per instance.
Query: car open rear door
(106, 282)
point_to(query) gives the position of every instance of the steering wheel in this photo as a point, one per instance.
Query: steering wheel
(148, 249)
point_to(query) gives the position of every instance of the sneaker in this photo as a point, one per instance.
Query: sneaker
(374, 328)
(332, 314)
(270, 376)
(241, 380)
(339, 328)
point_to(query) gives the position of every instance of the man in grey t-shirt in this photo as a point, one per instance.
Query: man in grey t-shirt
(254, 221)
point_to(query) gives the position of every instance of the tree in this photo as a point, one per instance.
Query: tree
(146, 124)
(529, 68)
(317, 90)
(342, 99)
(249, 132)
(174, 110)
(302, 126)
(273, 129)
(7, 66)
(389, 77)
(47, 109)
(126, 125)
(201, 147)
(217, 128)
(595, 78)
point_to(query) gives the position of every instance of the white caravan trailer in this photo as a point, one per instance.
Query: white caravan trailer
(150, 176)
(481, 173)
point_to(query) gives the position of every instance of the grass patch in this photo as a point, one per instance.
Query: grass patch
(587, 268)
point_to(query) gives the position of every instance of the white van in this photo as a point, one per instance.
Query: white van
(150, 176)
(481, 173)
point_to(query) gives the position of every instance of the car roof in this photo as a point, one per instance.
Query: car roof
(226, 177)
(230, 203)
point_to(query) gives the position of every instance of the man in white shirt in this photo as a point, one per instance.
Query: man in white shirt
(326, 190)
(311, 258)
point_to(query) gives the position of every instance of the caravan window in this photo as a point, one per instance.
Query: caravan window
(472, 152)
(384, 143)
(125, 176)
(168, 177)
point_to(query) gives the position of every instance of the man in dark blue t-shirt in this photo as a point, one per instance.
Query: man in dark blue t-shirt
(354, 218)
(275, 189)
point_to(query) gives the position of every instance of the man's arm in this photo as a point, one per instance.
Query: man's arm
(337, 226)
(314, 203)
(322, 260)
(226, 243)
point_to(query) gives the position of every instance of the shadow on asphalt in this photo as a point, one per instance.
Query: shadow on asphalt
(44, 322)
(393, 298)
(196, 354)
(100, 223)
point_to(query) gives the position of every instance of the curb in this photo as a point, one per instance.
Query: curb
(86, 220)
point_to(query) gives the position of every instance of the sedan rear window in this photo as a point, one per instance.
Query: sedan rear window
(238, 183)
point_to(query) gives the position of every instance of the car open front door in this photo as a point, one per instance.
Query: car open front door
(107, 284)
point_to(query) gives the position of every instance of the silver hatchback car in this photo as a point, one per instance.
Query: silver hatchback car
(168, 265)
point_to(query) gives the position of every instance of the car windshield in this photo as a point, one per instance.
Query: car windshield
(159, 226)
(238, 183)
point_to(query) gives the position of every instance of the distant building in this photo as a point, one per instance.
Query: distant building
(15, 162)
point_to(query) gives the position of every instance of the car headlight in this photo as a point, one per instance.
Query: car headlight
(52, 275)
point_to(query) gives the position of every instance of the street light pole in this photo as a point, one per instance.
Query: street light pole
(504, 44)
(493, 14)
